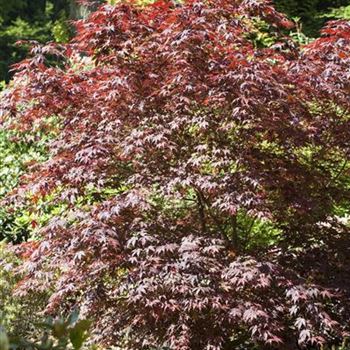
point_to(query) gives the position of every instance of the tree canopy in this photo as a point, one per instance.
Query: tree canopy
(204, 177)
(46, 20)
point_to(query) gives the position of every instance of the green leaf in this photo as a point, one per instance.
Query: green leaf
(77, 334)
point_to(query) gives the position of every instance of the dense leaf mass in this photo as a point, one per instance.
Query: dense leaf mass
(203, 141)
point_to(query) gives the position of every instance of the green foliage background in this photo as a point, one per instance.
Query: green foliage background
(313, 13)
(40, 20)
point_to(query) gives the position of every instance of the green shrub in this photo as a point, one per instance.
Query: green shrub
(54, 334)
(18, 314)
(17, 152)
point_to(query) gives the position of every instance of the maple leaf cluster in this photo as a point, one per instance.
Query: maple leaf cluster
(199, 137)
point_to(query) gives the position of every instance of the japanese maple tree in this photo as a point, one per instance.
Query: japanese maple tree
(204, 175)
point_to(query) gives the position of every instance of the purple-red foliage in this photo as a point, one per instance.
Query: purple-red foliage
(200, 135)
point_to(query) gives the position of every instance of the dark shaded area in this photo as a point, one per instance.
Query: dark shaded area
(312, 13)
(30, 20)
